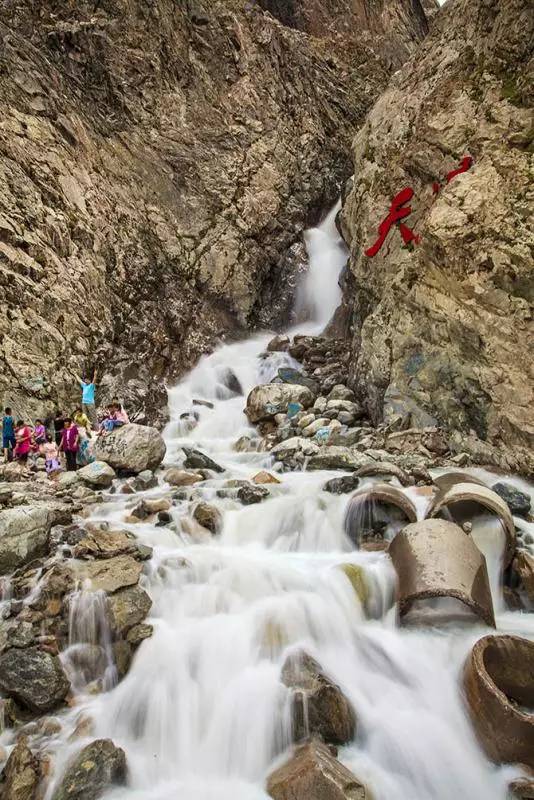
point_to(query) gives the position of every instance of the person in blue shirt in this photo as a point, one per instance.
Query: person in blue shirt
(8, 434)
(88, 397)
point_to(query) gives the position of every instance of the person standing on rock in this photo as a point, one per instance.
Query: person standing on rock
(24, 436)
(88, 397)
(69, 444)
(8, 434)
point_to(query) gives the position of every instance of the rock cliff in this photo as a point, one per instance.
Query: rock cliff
(442, 331)
(158, 162)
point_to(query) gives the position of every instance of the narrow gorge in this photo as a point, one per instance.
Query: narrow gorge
(304, 568)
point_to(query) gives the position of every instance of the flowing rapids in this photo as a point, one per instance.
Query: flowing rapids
(202, 713)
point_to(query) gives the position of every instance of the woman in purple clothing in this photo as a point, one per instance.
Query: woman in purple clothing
(69, 444)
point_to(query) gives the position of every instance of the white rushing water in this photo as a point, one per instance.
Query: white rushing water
(202, 714)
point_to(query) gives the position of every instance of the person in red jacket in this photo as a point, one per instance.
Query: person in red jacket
(69, 444)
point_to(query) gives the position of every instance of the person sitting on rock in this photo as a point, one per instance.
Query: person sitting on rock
(120, 413)
(81, 420)
(24, 437)
(51, 454)
(116, 418)
(88, 388)
(8, 434)
(69, 444)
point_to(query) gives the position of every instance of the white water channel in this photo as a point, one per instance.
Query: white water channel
(202, 714)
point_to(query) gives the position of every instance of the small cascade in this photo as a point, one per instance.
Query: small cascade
(88, 659)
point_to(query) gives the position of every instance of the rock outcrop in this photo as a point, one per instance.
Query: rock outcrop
(158, 163)
(442, 331)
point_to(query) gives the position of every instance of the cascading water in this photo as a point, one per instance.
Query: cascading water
(202, 713)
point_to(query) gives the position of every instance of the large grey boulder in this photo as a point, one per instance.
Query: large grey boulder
(95, 769)
(132, 448)
(23, 535)
(98, 474)
(34, 678)
(265, 401)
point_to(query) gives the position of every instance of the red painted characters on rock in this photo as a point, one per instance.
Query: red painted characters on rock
(398, 211)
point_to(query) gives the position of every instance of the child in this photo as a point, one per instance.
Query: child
(81, 420)
(24, 437)
(51, 454)
(39, 432)
(69, 444)
(8, 434)
(116, 418)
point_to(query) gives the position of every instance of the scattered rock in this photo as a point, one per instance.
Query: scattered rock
(209, 517)
(319, 707)
(34, 678)
(264, 477)
(313, 427)
(128, 607)
(250, 494)
(293, 376)
(95, 769)
(98, 474)
(148, 507)
(197, 460)
(104, 544)
(24, 532)
(518, 502)
(341, 392)
(524, 566)
(278, 344)
(21, 773)
(181, 477)
(145, 480)
(343, 485)
(132, 448)
(112, 574)
(336, 458)
(265, 401)
(312, 773)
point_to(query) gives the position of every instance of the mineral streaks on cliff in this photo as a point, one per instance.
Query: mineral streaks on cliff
(158, 162)
(446, 331)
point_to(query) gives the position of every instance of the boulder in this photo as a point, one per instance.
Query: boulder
(112, 574)
(264, 477)
(34, 678)
(132, 448)
(278, 344)
(24, 532)
(343, 485)
(293, 376)
(340, 392)
(319, 707)
(145, 480)
(104, 544)
(312, 773)
(250, 494)
(337, 458)
(265, 401)
(21, 773)
(95, 769)
(524, 566)
(128, 607)
(194, 459)
(518, 502)
(181, 477)
(316, 425)
(147, 508)
(98, 474)
(208, 516)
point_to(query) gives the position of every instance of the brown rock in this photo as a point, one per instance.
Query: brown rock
(208, 516)
(524, 566)
(112, 574)
(181, 477)
(105, 544)
(21, 773)
(312, 773)
(264, 477)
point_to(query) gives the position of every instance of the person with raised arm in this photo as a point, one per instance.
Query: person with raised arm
(88, 388)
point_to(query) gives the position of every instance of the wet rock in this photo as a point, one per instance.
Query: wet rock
(21, 773)
(264, 477)
(131, 448)
(251, 494)
(194, 459)
(356, 575)
(524, 567)
(97, 767)
(145, 480)
(312, 773)
(98, 474)
(518, 502)
(319, 707)
(33, 678)
(278, 344)
(523, 788)
(231, 384)
(138, 634)
(209, 517)
(265, 401)
(181, 477)
(385, 468)
(500, 695)
(147, 508)
(343, 485)
(112, 574)
(128, 607)
(205, 403)
(336, 458)
(164, 518)
(293, 376)
(104, 544)
(24, 533)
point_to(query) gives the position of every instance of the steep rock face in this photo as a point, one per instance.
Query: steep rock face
(444, 329)
(158, 162)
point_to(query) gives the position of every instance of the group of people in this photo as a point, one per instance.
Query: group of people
(70, 436)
